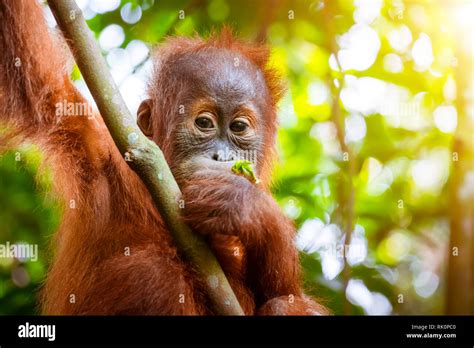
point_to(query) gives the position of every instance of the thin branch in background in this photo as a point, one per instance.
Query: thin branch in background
(346, 187)
(269, 12)
(460, 273)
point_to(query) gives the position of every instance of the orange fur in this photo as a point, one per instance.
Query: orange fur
(92, 272)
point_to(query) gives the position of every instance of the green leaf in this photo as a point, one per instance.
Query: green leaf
(244, 168)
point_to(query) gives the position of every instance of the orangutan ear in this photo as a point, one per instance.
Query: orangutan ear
(144, 117)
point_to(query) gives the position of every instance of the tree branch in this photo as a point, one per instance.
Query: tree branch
(346, 187)
(147, 160)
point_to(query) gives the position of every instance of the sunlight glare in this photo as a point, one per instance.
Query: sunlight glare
(446, 118)
(112, 36)
(359, 48)
(422, 52)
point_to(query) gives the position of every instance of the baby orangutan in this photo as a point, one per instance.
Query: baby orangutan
(210, 102)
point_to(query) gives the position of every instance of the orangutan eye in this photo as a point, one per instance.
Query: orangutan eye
(204, 122)
(238, 126)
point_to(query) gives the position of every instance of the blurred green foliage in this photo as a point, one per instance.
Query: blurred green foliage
(27, 215)
(364, 146)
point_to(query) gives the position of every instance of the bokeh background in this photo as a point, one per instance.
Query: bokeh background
(376, 143)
